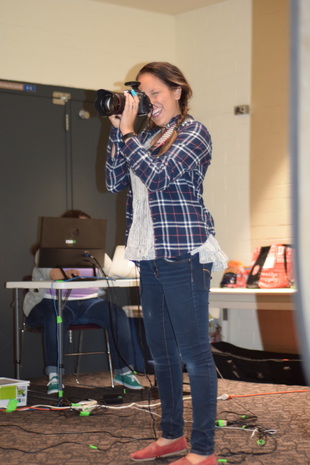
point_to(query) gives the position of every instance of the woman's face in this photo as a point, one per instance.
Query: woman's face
(165, 101)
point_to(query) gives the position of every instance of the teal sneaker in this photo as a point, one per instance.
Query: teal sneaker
(128, 380)
(53, 385)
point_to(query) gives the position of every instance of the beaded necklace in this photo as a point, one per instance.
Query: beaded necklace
(165, 136)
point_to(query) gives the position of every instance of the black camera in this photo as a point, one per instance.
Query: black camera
(112, 103)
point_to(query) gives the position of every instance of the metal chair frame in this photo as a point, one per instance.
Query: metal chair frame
(80, 328)
(79, 353)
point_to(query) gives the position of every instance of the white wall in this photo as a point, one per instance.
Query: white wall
(214, 50)
(80, 43)
(270, 170)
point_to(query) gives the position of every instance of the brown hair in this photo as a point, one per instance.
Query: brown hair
(173, 78)
(75, 214)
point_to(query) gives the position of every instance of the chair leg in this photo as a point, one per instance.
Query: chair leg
(78, 357)
(109, 356)
(79, 353)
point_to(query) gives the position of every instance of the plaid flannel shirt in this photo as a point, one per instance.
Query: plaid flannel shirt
(174, 182)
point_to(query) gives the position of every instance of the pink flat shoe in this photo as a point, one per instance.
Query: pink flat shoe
(211, 460)
(153, 451)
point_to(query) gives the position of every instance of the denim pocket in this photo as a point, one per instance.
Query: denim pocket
(206, 271)
(184, 258)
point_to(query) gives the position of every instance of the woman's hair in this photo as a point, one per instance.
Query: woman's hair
(75, 214)
(173, 78)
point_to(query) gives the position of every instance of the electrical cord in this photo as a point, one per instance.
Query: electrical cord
(232, 420)
(94, 260)
(231, 396)
(111, 301)
(120, 440)
(246, 422)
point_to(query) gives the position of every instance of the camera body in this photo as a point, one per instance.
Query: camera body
(113, 103)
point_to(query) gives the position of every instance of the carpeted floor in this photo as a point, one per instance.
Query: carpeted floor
(274, 432)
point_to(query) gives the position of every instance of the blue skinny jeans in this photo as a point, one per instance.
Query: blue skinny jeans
(175, 299)
(86, 311)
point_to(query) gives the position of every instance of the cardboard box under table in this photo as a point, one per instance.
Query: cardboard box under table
(13, 392)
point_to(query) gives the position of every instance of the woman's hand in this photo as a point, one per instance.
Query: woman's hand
(56, 273)
(125, 122)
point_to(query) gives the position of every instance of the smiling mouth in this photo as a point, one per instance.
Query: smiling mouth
(156, 112)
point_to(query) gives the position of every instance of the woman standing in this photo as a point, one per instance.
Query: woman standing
(171, 236)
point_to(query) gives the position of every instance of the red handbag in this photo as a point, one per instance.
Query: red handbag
(272, 267)
(277, 270)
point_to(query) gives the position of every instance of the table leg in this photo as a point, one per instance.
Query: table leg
(17, 336)
(60, 341)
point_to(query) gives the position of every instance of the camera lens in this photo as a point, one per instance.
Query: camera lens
(109, 103)
(112, 103)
